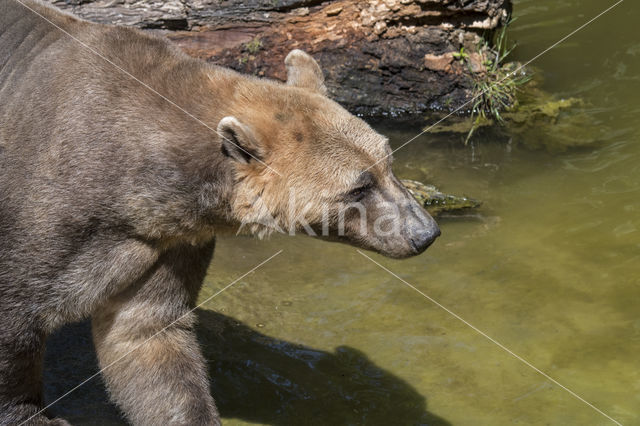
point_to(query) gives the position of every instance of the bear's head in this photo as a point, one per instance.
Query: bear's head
(302, 163)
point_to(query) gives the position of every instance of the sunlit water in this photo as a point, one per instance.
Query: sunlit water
(549, 268)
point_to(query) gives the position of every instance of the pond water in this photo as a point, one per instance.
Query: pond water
(549, 267)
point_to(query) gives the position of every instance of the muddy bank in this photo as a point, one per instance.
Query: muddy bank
(380, 57)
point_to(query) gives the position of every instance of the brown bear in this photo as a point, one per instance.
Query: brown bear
(120, 158)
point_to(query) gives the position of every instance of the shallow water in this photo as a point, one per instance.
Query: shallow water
(549, 268)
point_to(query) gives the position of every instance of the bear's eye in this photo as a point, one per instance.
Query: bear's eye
(358, 193)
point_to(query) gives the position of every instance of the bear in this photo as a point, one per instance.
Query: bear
(121, 158)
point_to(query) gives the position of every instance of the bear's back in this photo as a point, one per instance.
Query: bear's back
(94, 127)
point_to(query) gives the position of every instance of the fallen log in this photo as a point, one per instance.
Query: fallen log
(380, 57)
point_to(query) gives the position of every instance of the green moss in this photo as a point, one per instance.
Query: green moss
(511, 103)
(461, 56)
(540, 120)
(253, 46)
(436, 202)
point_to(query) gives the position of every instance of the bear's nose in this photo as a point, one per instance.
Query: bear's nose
(423, 238)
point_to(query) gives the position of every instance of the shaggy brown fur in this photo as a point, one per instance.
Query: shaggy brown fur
(110, 195)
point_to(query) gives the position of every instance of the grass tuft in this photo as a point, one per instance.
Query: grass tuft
(495, 90)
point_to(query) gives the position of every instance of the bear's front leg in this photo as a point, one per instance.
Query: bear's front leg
(157, 378)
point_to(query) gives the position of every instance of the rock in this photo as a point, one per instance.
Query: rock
(380, 57)
(436, 202)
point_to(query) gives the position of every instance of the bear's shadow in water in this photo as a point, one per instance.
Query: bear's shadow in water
(255, 378)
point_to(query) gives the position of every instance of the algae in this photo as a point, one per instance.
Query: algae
(538, 120)
(507, 98)
(436, 202)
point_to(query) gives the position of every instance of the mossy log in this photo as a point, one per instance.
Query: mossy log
(380, 57)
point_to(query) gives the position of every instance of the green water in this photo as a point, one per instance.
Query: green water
(549, 267)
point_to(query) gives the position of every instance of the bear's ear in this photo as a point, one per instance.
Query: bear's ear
(238, 142)
(304, 72)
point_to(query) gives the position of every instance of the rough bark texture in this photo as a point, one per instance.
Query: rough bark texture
(380, 57)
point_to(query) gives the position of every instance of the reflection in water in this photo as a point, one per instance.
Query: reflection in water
(255, 378)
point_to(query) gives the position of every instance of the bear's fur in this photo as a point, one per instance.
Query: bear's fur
(120, 157)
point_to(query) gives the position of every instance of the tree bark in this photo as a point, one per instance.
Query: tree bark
(380, 57)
